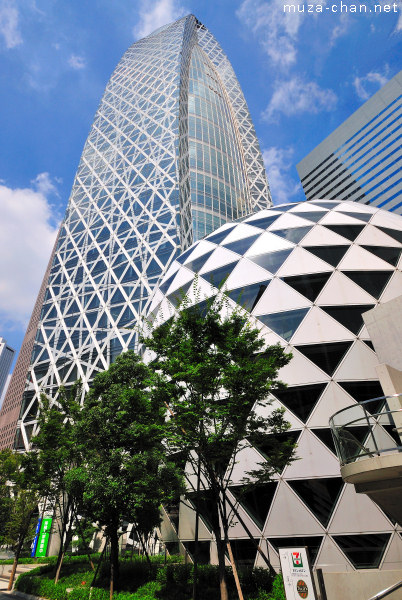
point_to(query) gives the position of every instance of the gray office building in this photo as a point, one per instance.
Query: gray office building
(6, 359)
(361, 160)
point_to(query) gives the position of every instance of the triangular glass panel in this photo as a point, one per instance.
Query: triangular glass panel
(283, 207)
(264, 222)
(182, 257)
(265, 444)
(197, 264)
(319, 495)
(390, 254)
(308, 285)
(208, 509)
(372, 282)
(249, 296)
(362, 390)
(369, 344)
(117, 297)
(241, 246)
(325, 356)
(301, 399)
(350, 232)
(284, 323)
(313, 544)
(364, 551)
(293, 234)
(331, 254)
(244, 552)
(203, 548)
(272, 261)
(313, 215)
(394, 233)
(362, 216)
(218, 276)
(177, 297)
(325, 203)
(326, 437)
(218, 237)
(256, 500)
(349, 316)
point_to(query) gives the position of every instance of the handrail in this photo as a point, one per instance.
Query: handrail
(365, 402)
(387, 591)
(367, 417)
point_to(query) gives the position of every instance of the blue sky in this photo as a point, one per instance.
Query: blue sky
(302, 75)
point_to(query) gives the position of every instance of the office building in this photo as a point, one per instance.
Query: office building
(6, 359)
(306, 273)
(361, 160)
(172, 155)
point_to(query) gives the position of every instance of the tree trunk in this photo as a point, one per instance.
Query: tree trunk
(64, 547)
(197, 518)
(221, 566)
(15, 563)
(64, 522)
(114, 561)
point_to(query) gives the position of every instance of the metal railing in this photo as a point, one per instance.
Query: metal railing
(368, 429)
(387, 591)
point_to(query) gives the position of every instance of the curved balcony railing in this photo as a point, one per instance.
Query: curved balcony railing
(368, 429)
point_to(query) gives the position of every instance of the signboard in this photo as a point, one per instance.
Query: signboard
(297, 576)
(35, 540)
(44, 534)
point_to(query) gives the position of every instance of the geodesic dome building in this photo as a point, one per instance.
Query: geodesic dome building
(305, 272)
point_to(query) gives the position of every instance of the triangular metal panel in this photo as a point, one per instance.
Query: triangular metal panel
(289, 516)
(314, 460)
(374, 236)
(318, 327)
(288, 220)
(331, 558)
(333, 399)
(356, 513)
(219, 258)
(383, 218)
(245, 273)
(321, 236)
(280, 295)
(393, 288)
(393, 555)
(268, 242)
(339, 218)
(359, 363)
(243, 230)
(342, 290)
(301, 371)
(301, 262)
(359, 258)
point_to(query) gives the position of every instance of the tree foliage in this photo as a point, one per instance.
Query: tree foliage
(124, 474)
(214, 371)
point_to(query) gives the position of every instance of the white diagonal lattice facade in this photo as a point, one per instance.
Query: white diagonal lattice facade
(171, 156)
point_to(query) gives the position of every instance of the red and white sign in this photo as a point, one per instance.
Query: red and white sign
(296, 572)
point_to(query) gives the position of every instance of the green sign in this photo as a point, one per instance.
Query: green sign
(44, 534)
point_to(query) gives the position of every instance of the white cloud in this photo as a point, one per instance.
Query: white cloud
(27, 235)
(296, 96)
(9, 24)
(277, 30)
(370, 83)
(340, 29)
(278, 162)
(155, 14)
(77, 62)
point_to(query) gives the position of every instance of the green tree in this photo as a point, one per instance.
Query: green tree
(212, 372)
(124, 474)
(18, 505)
(54, 454)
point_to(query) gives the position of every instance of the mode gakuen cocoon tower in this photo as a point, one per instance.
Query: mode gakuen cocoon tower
(172, 155)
